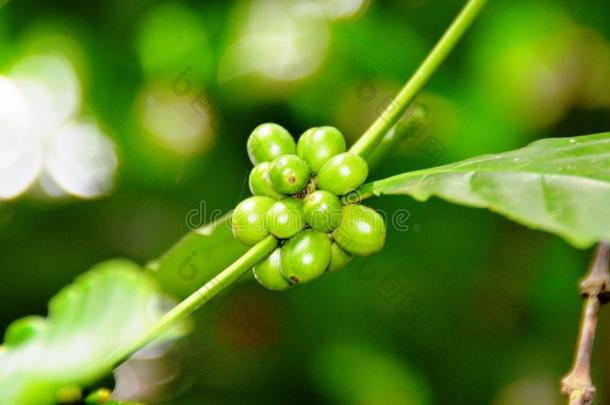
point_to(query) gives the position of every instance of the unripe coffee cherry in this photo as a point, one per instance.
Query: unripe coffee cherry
(317, 145)
(249, 220)
(305, 257)
(322, 210)
(285, 218)
(260, 183)
(268, 274)
(362, 230)
(289, 174)
(343, 173)
(339, 258)
(268, 141)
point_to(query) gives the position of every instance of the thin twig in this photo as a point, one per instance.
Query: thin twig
(595, 289)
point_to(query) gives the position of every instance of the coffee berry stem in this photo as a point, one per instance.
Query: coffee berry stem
(395, 109)
(409, 130)
(193, 302)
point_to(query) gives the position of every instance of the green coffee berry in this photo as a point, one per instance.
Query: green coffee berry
(260, 183)
(268, 274)
(362, 230)
(268, 141)
(339, 258)
(322, 210)
(289, 174)
(305, 257)
(343, 173)
(285, 218)
(24, 329)
(317, 145)
(249, 220)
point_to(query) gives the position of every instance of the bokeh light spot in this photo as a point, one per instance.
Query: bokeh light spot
(180, 124)
(51, 87)
(20, 156)
(281, 40)
(81, 160)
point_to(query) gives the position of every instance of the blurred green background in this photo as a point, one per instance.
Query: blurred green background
(139, 113)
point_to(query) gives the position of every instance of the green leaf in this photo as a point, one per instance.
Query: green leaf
(197, 258)
(558, 185)
(89, 319)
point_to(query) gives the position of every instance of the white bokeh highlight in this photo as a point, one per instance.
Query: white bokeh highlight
(81, 160)
(20, 155)
(41, 142)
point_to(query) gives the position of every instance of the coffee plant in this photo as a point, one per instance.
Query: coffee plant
(307, 217)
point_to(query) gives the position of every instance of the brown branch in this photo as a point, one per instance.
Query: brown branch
(595, 289)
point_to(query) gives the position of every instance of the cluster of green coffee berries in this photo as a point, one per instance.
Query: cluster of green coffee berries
(297, 191)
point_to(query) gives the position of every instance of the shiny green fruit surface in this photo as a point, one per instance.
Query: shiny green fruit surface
(289, 174)
(339, 258)
(268, 273)
(362, 230)
(322, 210)
(317, 145)
(343, 173)
(306, 256)
(260, 183)
(268, 141)
(285, 218)
(249, 219)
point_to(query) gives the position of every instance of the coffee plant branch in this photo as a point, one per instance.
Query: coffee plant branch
(595, 289)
